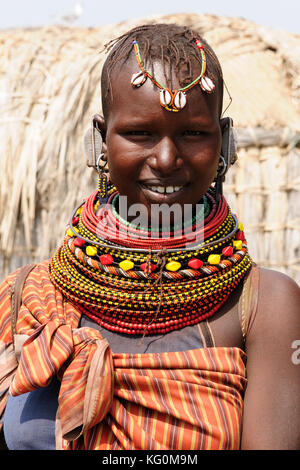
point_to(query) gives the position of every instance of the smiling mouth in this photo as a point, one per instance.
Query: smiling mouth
(159, 189)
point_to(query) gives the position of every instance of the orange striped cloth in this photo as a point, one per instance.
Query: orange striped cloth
(179, 400)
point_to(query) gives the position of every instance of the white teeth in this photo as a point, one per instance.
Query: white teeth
(165, 189)
(160, 189)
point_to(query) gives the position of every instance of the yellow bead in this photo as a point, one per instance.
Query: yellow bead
(70, 233)
(173, 266)
(241, 227)
(91, 250)
(214, 259)
(78, 212)
(238, 244)
(126, 265)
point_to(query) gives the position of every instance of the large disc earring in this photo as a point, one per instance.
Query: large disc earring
(93, 143)
(220, 177)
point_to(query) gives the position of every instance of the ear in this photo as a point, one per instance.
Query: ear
(101, 126)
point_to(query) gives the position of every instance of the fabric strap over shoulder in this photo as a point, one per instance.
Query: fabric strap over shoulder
(249, 300)
(16, 295)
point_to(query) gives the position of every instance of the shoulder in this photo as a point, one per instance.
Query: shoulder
(277, 283)
(279, 296)
(278, 308)
(14, 282)
(39, 270)
(272, 407)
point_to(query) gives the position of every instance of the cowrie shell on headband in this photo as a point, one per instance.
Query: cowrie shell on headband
(165, 97)
(180, 100)
(207, 84)
(138, 79)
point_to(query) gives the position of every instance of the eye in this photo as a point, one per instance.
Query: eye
(142, 133)
(193, 133)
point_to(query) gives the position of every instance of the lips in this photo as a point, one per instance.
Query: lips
(163, 187)
(162, 190)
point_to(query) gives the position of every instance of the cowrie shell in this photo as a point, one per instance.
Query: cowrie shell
(138, 79)
(207, 84)
(180, 100)
(165, 97)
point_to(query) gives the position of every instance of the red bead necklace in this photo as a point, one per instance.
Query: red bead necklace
(149, 298)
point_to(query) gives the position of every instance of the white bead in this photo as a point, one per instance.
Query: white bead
(165, 97)
(180, 100)
(138, 79)
(207, 84)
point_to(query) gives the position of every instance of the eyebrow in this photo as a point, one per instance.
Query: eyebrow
(136, 122)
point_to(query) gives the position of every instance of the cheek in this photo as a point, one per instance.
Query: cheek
(204, 164)
(125, 157)
(124, 165)
(117, 157)
(206, 159)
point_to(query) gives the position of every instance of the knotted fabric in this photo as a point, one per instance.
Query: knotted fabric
(180, 400)
(79, 357)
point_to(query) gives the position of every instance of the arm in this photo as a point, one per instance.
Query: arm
(272, 399)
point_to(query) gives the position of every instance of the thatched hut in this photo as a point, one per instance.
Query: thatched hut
(49, 89)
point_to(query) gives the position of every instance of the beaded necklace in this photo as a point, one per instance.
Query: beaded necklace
(201, 213)
(131, 283)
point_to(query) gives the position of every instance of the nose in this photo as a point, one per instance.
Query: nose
(165, 158)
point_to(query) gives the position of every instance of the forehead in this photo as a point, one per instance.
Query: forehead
(144, 101)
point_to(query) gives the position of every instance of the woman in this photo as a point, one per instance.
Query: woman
(149, 332)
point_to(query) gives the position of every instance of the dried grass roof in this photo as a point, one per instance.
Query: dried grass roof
(261, 66)
(50, 87)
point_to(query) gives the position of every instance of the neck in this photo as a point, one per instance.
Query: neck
(162, 218)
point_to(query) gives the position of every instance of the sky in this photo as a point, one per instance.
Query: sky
(32, 13)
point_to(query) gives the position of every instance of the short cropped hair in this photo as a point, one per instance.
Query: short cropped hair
(172, 45)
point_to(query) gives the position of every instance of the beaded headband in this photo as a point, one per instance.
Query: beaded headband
(172, 100)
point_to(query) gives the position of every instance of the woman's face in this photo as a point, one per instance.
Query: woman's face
(156, 156)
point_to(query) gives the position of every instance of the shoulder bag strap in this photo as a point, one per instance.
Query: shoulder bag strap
(16, 294)
(249, 300)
